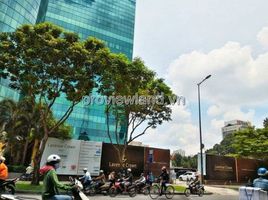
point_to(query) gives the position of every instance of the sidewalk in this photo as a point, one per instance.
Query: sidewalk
(220, 190)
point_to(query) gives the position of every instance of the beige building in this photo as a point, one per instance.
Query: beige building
(234, 125)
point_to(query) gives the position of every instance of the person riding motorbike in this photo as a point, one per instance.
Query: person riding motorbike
(100, 179)
(164, 177)
(86, 179)
(127, 181)
(3, 170)
(111, 178)
(51, 183)
(261, 182)
(195, 183)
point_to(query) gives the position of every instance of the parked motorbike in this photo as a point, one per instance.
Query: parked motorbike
(8, 186)
(118, 188)
(194, 189)
(94, 188)
(26, 177)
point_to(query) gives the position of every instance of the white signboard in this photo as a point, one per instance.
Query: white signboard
(199, 163)
(75, 155)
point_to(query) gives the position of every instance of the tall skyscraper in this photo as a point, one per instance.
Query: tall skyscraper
(109, 20)
(14, 13)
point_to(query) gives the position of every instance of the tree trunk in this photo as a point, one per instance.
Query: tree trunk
(25, 151)
(37, 159)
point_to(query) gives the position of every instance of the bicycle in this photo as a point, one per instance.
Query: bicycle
(155, 191)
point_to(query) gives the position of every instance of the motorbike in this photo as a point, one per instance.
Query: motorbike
(77, 189)
(26, 177)
(118, 188)
(94, 188)
(194, 189)
(8, 186)
(141, 187)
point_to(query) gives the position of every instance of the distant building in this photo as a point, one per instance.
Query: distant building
(234, 125)
(138, 144)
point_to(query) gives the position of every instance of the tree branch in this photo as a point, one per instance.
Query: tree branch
(130, 140)
(64, 117)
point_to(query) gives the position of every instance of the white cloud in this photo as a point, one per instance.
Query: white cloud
(237, 78)
(180, 133)
(214, 110)
(263, 36)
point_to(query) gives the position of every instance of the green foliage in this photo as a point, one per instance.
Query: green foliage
(224, 148)
(265, 123)
(184, 161)
(250, 143)
(16, 168)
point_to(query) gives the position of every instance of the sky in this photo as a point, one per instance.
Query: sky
(186, 40)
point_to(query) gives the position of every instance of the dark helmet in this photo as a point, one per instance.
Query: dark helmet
(262, 171)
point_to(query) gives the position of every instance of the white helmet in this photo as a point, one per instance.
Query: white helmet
(2, 158)
(85, 169)
(101, 171)
(53, 158)
(129, 170)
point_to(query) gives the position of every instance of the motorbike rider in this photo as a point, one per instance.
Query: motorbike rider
(3, 170)
(51, 183)
(111, 178)
(29, 171)
(86, 179)
(261, 182)
(164, 177)
(195, 183)
(100, 179)
(127, 181)
(141, 181)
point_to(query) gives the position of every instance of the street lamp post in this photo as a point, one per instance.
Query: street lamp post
(200, 129)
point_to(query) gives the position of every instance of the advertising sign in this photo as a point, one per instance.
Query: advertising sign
(75, 155)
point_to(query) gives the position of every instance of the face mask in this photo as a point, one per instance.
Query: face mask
(57, 165)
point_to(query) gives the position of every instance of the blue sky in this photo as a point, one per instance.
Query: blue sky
(184, 41)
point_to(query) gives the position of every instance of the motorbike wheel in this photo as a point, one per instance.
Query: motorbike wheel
(132, 192)
(9, 189)
(200, 192)
(91, 191)
(187, 192)
(112, 192)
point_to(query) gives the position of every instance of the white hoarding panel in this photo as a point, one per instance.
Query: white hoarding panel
(75, 155)
(90, 157)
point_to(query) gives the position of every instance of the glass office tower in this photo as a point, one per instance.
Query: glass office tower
(109, 20)
(14, 13)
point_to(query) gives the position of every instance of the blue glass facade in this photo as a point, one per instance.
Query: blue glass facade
(14, 13)
(109, 20)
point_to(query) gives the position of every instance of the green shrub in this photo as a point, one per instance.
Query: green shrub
(16, 168)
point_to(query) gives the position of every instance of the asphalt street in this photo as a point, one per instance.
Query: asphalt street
(143, 197)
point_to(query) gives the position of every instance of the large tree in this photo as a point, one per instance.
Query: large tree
(131, 112)
(43, 62)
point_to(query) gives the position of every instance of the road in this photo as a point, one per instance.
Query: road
(142, 197)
